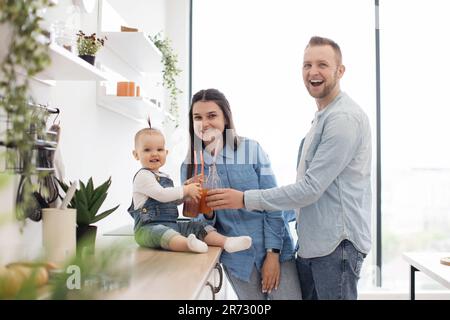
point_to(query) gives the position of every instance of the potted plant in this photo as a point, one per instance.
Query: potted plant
(87, 200)
(24, 51)
(170, 60)
(88, 46)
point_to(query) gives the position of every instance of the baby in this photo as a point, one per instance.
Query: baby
(155, 200)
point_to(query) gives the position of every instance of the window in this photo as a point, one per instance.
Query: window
(252, 51)
(415, 131)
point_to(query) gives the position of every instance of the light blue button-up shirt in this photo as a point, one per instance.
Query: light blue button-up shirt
(248, 168)
(334, 195)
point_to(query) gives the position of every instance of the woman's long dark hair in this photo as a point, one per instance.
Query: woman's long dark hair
(229, 134)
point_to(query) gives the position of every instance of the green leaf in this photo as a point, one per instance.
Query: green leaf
(96, 205)
(169, 59)
(90, 188)
(26, 54)
(82, 186)
(102, 189)
(83, 214)
(104, 214)
(88, 201)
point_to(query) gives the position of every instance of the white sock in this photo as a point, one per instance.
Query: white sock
(196, 245)
(233, 244)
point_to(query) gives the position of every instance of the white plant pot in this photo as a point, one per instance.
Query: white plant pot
(59, 234)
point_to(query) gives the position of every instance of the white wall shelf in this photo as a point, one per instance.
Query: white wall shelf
(135, 108)
(136, 49)
(65, 65)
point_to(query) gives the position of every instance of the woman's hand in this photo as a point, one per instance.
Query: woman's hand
(270, 272)
(225, 199)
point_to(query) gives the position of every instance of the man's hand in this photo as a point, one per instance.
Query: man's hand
(225, 199)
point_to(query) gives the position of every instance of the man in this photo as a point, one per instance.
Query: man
(332, 193)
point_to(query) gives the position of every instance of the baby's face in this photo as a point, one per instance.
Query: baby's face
(150, 151)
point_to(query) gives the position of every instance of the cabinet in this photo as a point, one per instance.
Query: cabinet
(169, 275)
(214, 288)
(129, 56)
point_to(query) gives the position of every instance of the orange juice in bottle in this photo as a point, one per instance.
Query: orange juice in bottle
(212, 182)
(191, 207)
(203, 208)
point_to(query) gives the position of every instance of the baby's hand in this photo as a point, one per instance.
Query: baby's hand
(193, 190)
(197, 178)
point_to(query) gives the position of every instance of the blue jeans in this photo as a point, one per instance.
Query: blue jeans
(332, 277)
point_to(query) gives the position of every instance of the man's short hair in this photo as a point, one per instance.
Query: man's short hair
(320, 41)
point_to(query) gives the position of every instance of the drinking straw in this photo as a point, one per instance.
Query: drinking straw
(202, 164)
(195, 163)
(216, 151)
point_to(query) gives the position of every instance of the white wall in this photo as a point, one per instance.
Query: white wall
(143, 14)
(177, 29)
(95, 141)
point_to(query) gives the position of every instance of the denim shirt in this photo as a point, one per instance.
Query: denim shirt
(335, 193)
(248, 168)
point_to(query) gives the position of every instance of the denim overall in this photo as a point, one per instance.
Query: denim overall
(154, 211)
(156, 222)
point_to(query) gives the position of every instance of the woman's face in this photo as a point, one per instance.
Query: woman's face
(208, 120)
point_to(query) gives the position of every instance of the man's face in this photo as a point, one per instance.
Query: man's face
(321, 71)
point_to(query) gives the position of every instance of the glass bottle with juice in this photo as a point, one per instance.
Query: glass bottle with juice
(212, 182)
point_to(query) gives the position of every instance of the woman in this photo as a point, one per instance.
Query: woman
(267, 269)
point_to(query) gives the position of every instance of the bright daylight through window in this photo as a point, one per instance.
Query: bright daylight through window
(252, 51)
